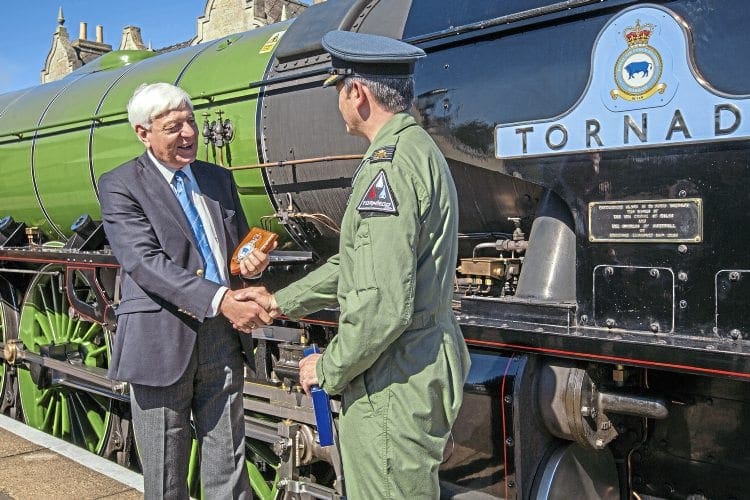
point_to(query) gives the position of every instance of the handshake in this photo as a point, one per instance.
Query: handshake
(249, 308)
(254, 306)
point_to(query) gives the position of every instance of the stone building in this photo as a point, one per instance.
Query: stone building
(65, 56)
(220, 18)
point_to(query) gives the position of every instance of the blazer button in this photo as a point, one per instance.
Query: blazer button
(199, 272)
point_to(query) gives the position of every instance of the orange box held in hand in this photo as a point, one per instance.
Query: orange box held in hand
(256, 239)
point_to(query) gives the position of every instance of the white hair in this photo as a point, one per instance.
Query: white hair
(153, 99)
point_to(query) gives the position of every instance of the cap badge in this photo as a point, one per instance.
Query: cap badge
(379, 197)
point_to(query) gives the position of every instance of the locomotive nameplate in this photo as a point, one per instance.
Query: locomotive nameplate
(644, 91)
(647, 221)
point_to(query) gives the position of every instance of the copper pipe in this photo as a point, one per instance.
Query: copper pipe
(285, 163)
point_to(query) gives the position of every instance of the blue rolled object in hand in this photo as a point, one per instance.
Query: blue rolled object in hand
(321, 405)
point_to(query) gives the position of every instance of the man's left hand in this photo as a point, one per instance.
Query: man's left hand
(254, 263)
(308, 377)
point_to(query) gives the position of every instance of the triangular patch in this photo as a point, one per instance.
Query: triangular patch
(378, 197)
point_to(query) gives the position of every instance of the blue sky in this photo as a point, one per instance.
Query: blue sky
(27, 26)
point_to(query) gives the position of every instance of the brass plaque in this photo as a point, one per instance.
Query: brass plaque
(647, 221)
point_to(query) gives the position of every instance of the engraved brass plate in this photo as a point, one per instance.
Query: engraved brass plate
(647, 221)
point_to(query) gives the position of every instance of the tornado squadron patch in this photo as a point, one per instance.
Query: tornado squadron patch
(379, 197)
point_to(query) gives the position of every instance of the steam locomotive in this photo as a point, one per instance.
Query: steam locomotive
(600, 150)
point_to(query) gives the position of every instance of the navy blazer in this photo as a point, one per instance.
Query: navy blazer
(164, 296)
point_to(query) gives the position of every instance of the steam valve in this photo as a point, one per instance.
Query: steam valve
(217, 132)
(206, 129)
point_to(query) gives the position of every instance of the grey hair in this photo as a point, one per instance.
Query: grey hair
(152, 99)
(394, 94)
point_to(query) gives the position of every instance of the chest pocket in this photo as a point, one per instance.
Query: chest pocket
(364, 260)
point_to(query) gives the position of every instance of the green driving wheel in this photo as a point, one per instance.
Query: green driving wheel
(47, 323)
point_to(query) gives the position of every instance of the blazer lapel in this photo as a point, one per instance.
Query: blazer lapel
(160, 192)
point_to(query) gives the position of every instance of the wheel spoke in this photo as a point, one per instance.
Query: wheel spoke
(71, 414)
(64, 416)
(94, 353)
(54, 291)
(43, 315)
(44, 397)
(92, 332)
(43, 324)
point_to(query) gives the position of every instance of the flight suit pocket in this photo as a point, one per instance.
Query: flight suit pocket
(355, 393)
(364, 275)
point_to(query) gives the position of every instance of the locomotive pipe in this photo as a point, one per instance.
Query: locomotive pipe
(638, 406)
(286, 163)
(503, 246)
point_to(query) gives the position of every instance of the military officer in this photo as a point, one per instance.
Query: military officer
(398, 360)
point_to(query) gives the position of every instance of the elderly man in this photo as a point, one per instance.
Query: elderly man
(398, 360)
(172, 222)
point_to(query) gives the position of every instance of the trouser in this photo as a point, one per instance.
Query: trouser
(388, 450)
(210, 390)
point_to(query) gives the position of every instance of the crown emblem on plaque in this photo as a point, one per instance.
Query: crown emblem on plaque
(638, 68)
(638, 35)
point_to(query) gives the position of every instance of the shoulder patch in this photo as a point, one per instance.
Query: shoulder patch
(383, 154)
(379, 197)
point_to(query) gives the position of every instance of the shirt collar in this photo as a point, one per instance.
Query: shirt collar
(168, 173)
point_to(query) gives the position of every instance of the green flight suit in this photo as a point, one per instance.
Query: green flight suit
(399, 359)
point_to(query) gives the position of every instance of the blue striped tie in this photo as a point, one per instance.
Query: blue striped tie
(182, 187)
